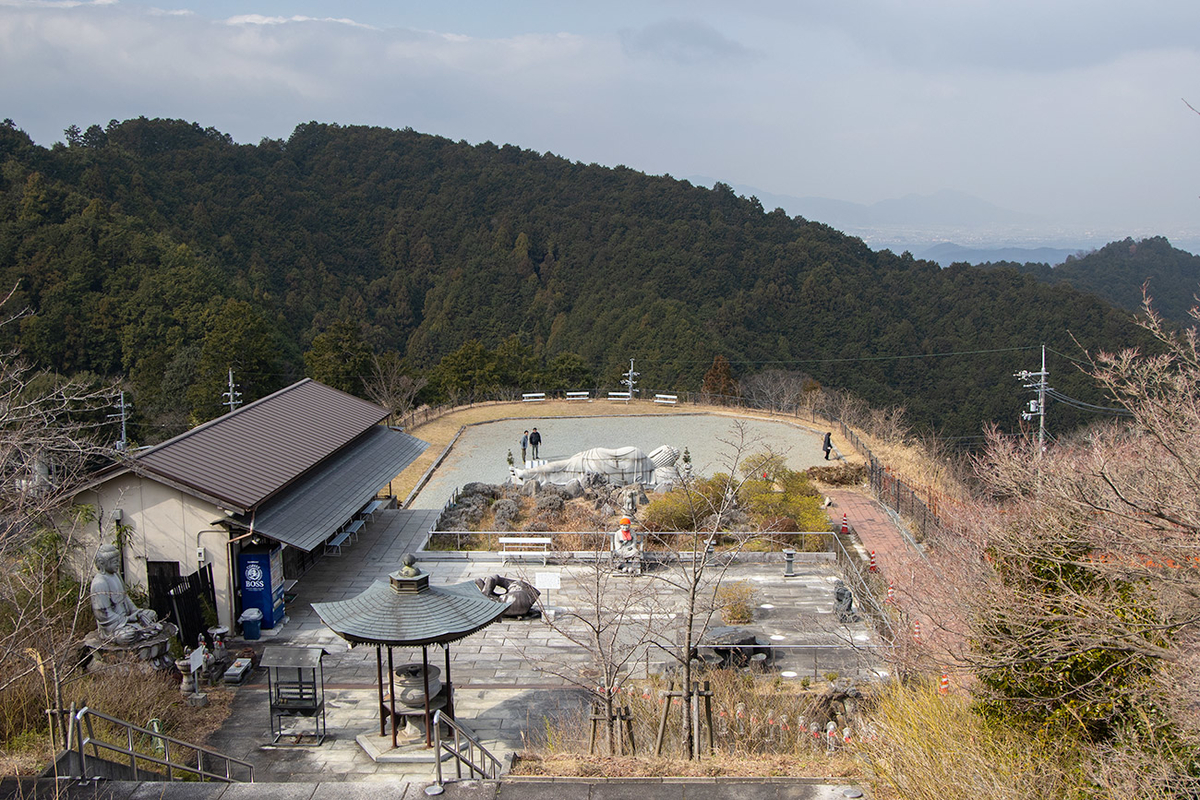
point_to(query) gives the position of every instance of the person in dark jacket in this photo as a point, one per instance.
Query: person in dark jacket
(826, 445)
(535, 440)
(524, 444)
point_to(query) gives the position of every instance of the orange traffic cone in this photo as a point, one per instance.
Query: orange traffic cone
(945, 687)
(845, 524)
(873, 567)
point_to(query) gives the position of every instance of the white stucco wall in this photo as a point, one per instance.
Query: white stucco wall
(165, 524)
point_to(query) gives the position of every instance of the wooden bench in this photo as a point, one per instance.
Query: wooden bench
(368, 511)
(579, 395)
(667, 399)
(521, 545)
(533, 397)
(354, 528)
(624, 396)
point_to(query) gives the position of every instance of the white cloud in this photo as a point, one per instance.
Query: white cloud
(684, 41)
(1046, 108)
(259, 19)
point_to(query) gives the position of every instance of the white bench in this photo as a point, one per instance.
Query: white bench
(520, 545)
(579, 395)
(667, 399)
(533, 397)
(626, 396)
(368, 511)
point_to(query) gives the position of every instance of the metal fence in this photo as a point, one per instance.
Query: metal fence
(920, 506)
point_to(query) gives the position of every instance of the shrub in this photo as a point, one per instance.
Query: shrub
(669, 512)
(736, 601)
(507, 512)
(843, 474)
(549, 505)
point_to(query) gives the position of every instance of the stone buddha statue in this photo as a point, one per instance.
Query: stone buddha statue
(118, 620)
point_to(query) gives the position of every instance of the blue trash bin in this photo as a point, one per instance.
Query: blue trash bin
(251, 621)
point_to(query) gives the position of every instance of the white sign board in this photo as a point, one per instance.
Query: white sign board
(546, 580)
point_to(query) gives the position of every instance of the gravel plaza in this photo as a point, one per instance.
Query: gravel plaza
(712, 440)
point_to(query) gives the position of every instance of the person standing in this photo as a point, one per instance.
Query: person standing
(535, 441)
(827, 445)
(524, 444)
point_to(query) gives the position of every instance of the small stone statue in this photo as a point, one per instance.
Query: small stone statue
(626, 553)
(843, 600)
(118, 620)
(409, 568)
(518, 595)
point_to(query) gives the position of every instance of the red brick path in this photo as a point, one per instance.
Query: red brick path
(918, 590)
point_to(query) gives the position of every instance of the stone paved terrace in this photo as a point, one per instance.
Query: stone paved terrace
(500, 688)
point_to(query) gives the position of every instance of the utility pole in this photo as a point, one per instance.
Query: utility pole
(1037, 408)
(630, 380)
(123, 415)
(233, 398)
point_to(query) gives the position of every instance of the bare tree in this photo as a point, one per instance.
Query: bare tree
(784, 391)
(695, 568)
(391, 386)
(611, 628)
(1082, 601)
(49, 440)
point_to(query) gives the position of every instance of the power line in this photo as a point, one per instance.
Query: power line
(1073, 359)
(866, 358)
(1083, 406)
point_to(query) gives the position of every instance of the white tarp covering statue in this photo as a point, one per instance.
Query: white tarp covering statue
(621, 466)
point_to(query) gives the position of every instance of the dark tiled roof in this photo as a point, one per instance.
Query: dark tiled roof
(434, 615)
(243, 458)
(311, 510)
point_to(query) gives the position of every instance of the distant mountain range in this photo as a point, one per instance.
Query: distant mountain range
(940, 210)
(947, 253)
(948, 227)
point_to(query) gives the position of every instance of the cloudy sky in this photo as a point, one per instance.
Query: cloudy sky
(1067, 109)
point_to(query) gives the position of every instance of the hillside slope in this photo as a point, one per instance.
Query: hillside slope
(1118, 271)
(165, 252)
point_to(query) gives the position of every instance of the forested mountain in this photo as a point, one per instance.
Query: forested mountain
(1118, 271)
(166, 253)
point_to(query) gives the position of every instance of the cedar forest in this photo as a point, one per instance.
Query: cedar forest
(164, 254)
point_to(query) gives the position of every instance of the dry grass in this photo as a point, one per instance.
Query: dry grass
(927, 472)
(128, 690)
(839, 765)
(760, 727)
(923, 745)
(736, 601)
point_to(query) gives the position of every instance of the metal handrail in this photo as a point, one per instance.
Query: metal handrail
(489, 767)
(83, 719)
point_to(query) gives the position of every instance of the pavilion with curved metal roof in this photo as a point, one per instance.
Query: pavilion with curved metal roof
(407, 611)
